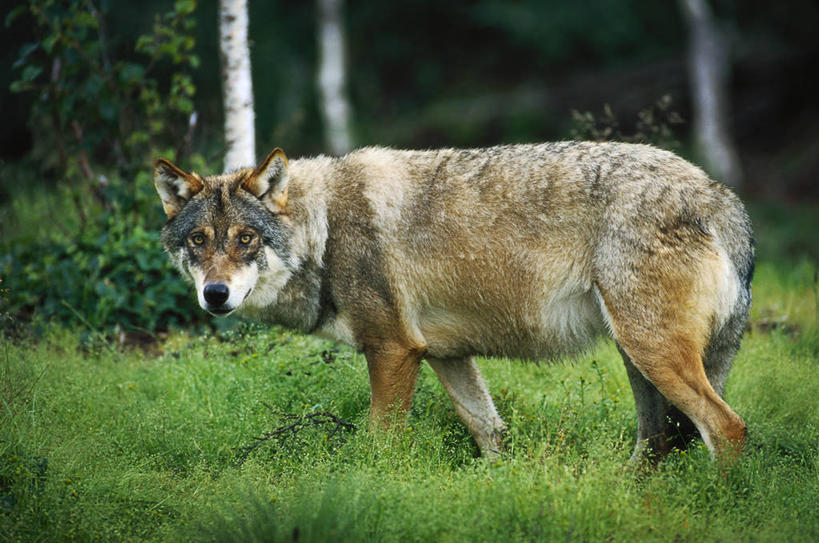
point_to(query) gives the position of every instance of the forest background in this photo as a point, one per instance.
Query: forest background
(126, 413)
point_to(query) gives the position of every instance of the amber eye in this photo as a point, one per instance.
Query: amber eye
(197, 239)
(245, 239)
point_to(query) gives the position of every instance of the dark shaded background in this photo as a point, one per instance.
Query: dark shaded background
(429, 73)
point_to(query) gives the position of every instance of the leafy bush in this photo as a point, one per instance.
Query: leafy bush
(114, 275)
(99, 100)
(102, 111)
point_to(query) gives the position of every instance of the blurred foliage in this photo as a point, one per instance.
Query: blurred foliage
(97, 100)
(786, 232)
(425, 74)
(655, 125)
(114, 276)
(106, 110)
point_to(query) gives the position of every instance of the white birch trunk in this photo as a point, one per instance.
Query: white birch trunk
(237, 86)
(335, 108)
(708, 72)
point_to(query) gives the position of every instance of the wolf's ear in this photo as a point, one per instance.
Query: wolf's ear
(175, 186)
(269, 179)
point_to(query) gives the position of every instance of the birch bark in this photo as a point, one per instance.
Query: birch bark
(237, 86)
(708, 68)
(331, 80)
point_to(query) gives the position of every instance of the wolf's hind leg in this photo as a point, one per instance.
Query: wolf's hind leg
(666, 303)
(463, 381)
(660, 426)
(670, 360)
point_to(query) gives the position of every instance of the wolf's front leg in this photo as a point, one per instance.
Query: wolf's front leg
(463, 381)
(393, 368)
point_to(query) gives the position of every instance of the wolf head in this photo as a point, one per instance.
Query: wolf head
(228, 233)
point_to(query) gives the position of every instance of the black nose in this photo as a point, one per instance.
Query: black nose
(216, 293)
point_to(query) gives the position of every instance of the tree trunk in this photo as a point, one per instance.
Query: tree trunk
(237, 86)
(709, 72)
(335, 107)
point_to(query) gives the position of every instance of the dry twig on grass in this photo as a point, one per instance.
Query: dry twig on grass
(289, 430)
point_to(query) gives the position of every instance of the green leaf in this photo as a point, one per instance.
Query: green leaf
(184, 105)
(49, 42)
(131, 72)
(184, 7)
(85, 19)
(20, 86)
(25, 51)
(137, 137)
(146, 44)
(14, 13)
(31, 72)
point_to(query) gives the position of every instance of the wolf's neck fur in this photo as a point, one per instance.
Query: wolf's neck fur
(304, 302)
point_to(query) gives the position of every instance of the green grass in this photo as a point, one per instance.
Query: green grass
(102, 445)
(98, 445)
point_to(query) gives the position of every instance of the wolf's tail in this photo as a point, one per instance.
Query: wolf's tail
(733, 233)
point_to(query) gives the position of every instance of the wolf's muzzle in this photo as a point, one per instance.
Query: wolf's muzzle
(216, 294)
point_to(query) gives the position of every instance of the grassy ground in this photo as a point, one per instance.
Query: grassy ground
(103, 445)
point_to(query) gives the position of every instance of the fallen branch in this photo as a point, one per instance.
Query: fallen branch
(289, 430)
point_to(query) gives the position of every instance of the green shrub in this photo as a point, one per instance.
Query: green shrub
(114, 275)
(103, 110)
(99, 100)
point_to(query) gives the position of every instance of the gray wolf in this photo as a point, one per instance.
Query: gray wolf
(524, 251)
